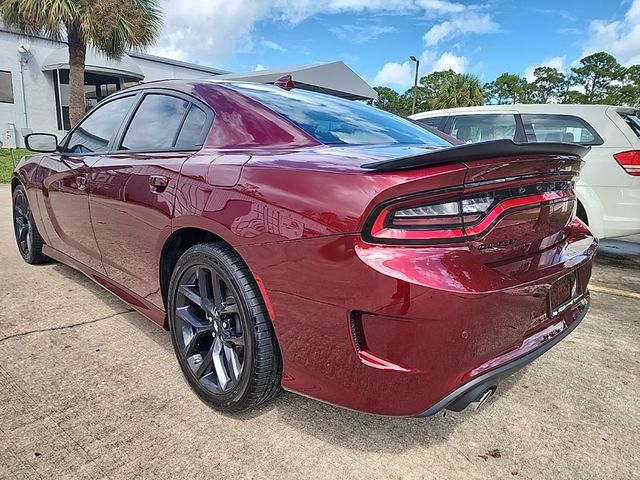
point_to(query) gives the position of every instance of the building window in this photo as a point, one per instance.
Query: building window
(6, 87)
(96, 88)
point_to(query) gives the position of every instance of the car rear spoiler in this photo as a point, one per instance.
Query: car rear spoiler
(477, 151)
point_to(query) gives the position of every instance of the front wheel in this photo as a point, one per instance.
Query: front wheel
(27, 236)
(221, 331)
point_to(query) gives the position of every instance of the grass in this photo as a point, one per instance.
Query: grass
(6, 162)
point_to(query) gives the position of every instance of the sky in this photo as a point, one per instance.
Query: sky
(376, 37)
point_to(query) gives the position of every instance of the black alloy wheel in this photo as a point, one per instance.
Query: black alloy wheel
(221, 331)
(27, 236)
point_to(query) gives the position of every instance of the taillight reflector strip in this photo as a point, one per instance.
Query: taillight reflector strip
(421, 224)
(629, 161)
(515, 203)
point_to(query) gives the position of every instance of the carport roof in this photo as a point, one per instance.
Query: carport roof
(95, 62)
(334, 78)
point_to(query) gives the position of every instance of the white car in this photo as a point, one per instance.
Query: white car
(609, 186)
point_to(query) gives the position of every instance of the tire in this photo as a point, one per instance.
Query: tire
(27, 237)
(220, 328)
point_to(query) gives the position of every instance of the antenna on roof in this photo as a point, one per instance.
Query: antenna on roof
(286, 83)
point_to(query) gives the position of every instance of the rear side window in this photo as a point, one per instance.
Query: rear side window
(95, 133)
(559, 128)
(191, 133)
(633, 121)
(483, 128)
(336, 121)
(435, 122)
(156, 123)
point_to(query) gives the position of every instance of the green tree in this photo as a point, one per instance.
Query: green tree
(627, 91)
(110, 26)
(428, 88)
(461, 90)
(391, 101)
(597, 74)
(508, 88)
(550, 84)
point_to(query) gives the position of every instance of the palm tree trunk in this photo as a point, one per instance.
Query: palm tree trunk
(77, 53)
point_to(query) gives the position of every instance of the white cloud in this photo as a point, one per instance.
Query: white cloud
(360, 33)
(212, 31)
(402, 75)
(396, 74)
(259, 67)
(460, 25)
(555, 62)
(620, 38)
(441, 6)
(449, 61)
(273, 45)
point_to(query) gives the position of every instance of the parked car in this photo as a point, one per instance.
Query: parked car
(608, 189)
(291, 238)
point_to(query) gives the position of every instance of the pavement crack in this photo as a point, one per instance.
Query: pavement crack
(66, 327)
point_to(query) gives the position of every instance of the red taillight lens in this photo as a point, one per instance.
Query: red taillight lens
(456, 219)
(630, 161)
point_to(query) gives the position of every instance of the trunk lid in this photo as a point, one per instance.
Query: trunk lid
(515, 200)
(534, 202)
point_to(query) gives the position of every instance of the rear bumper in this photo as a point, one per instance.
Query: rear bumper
(471, 391)
(393, 330)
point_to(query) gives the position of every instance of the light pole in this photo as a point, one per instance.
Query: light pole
(415, 84)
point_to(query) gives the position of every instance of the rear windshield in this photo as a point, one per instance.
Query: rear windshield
(633, 121)
(336, 121)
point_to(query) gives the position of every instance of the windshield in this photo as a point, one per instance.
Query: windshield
(336, 121)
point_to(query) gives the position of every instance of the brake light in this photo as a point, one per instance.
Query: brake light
(629, 161)
(456, 219)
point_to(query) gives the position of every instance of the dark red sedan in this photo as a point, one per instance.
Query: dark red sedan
(293, 239)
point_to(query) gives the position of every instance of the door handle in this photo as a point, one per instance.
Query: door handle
(81, 182)
(158, 183)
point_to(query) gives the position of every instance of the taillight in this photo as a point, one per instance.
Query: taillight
(630, 161)
(416, 221)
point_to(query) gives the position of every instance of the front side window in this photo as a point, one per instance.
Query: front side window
(483, 128)
(559, 128)
(156, 123)
(336, 121)
(6, 87)
(95, 133)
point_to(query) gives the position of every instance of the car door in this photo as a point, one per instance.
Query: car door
(133, 188)
(65, 184)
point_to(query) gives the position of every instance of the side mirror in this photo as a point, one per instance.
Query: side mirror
(41, 142)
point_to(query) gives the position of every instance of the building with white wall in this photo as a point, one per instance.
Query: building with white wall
(34, 81)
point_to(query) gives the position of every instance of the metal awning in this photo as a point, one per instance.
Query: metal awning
(96, 62)
(334, 78)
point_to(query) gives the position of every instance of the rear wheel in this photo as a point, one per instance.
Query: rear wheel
(27, 236)
(221, 331)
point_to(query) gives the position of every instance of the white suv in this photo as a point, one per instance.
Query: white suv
(609, 187)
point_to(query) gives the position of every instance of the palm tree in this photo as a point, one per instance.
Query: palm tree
(461, 90)
(110, 26)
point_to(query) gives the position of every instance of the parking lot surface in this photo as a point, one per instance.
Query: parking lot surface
(90, 389)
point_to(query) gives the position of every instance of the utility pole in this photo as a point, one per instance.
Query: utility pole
(415, 84)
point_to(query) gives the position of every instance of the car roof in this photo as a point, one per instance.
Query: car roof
(552, 108)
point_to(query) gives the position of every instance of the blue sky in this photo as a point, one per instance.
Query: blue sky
(375, 37)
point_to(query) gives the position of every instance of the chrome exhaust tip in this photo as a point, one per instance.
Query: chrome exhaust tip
(483, 398)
